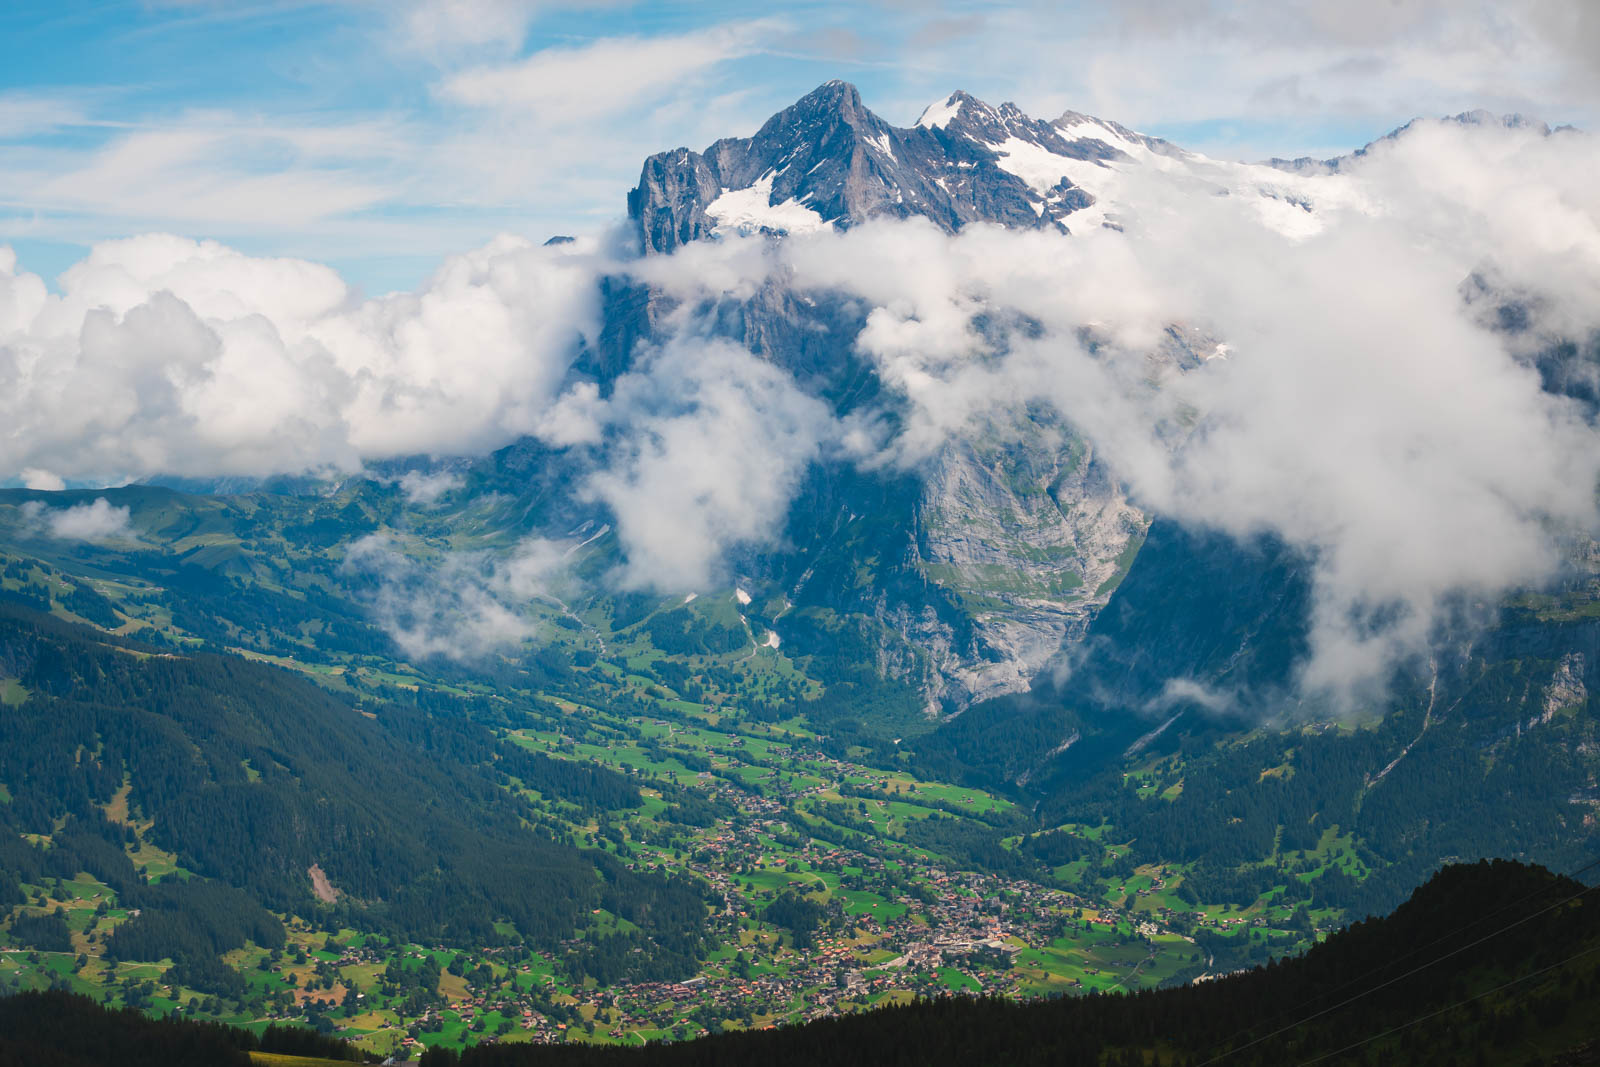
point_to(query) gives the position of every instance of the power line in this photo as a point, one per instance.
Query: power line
(1397, 978)
(1459, 1004)
(1479, 921)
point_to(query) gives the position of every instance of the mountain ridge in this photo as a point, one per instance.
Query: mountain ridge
(828, 160)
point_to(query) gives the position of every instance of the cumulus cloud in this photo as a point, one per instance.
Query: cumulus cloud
(166, 355)
(97, 521)
(711, 443)
(34, 478)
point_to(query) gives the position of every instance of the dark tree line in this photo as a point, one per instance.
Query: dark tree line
(55, 1029)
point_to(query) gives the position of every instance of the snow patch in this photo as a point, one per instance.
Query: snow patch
(1151, 736)
(938, 115)
(750, 211)
(772, 640)
(604, 529)
(743, 597)
(1041, 168)
(690, 598)
(1096, 131)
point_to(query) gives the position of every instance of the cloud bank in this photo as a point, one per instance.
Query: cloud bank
(712, 443)
(163, 354)
(1325, 380)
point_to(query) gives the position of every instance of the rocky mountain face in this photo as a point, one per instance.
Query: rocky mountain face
(828, 161)
(1017, 535)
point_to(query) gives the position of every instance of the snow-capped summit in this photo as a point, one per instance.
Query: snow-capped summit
(828, 161)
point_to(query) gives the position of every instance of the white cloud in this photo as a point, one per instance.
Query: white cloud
(443, 26)
(212, 169)
(97, 521)
(465, 606)
(569, 86)
(426, 489)
(713, 442)
(165, 355)
(34, 478)
(444, 30)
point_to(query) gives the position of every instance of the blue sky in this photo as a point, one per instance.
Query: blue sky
(378, 136)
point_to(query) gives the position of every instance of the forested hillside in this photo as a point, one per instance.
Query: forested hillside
(1490, 749)
(251, 777)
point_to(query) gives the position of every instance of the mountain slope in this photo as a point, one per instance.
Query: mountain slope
(254, 777)
(1005, 594)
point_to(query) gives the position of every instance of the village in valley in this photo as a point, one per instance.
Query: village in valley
(827, 892)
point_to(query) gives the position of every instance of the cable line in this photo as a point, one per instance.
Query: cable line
(1480, 920)
(1459, 1004)
(1398, 978)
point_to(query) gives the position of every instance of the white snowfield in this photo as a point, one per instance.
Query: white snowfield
(938, 115)
(1295, 205)
(748, 211)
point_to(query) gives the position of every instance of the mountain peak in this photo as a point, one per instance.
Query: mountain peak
(832, 102)
(834, 89)
(1479, 117)
(938, 114)
(827, 161)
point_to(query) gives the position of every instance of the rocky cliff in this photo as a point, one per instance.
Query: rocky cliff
(1016, 534)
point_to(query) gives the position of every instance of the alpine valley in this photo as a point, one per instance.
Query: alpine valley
(551, 741)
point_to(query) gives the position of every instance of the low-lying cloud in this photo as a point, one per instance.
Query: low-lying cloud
(95, 521)
(710, 445)
(1299, 360)
(425, 488)
(463, 606)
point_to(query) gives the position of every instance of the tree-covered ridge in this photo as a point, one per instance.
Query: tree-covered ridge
(1492, 749)
(53, 1029)
(250, 776)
